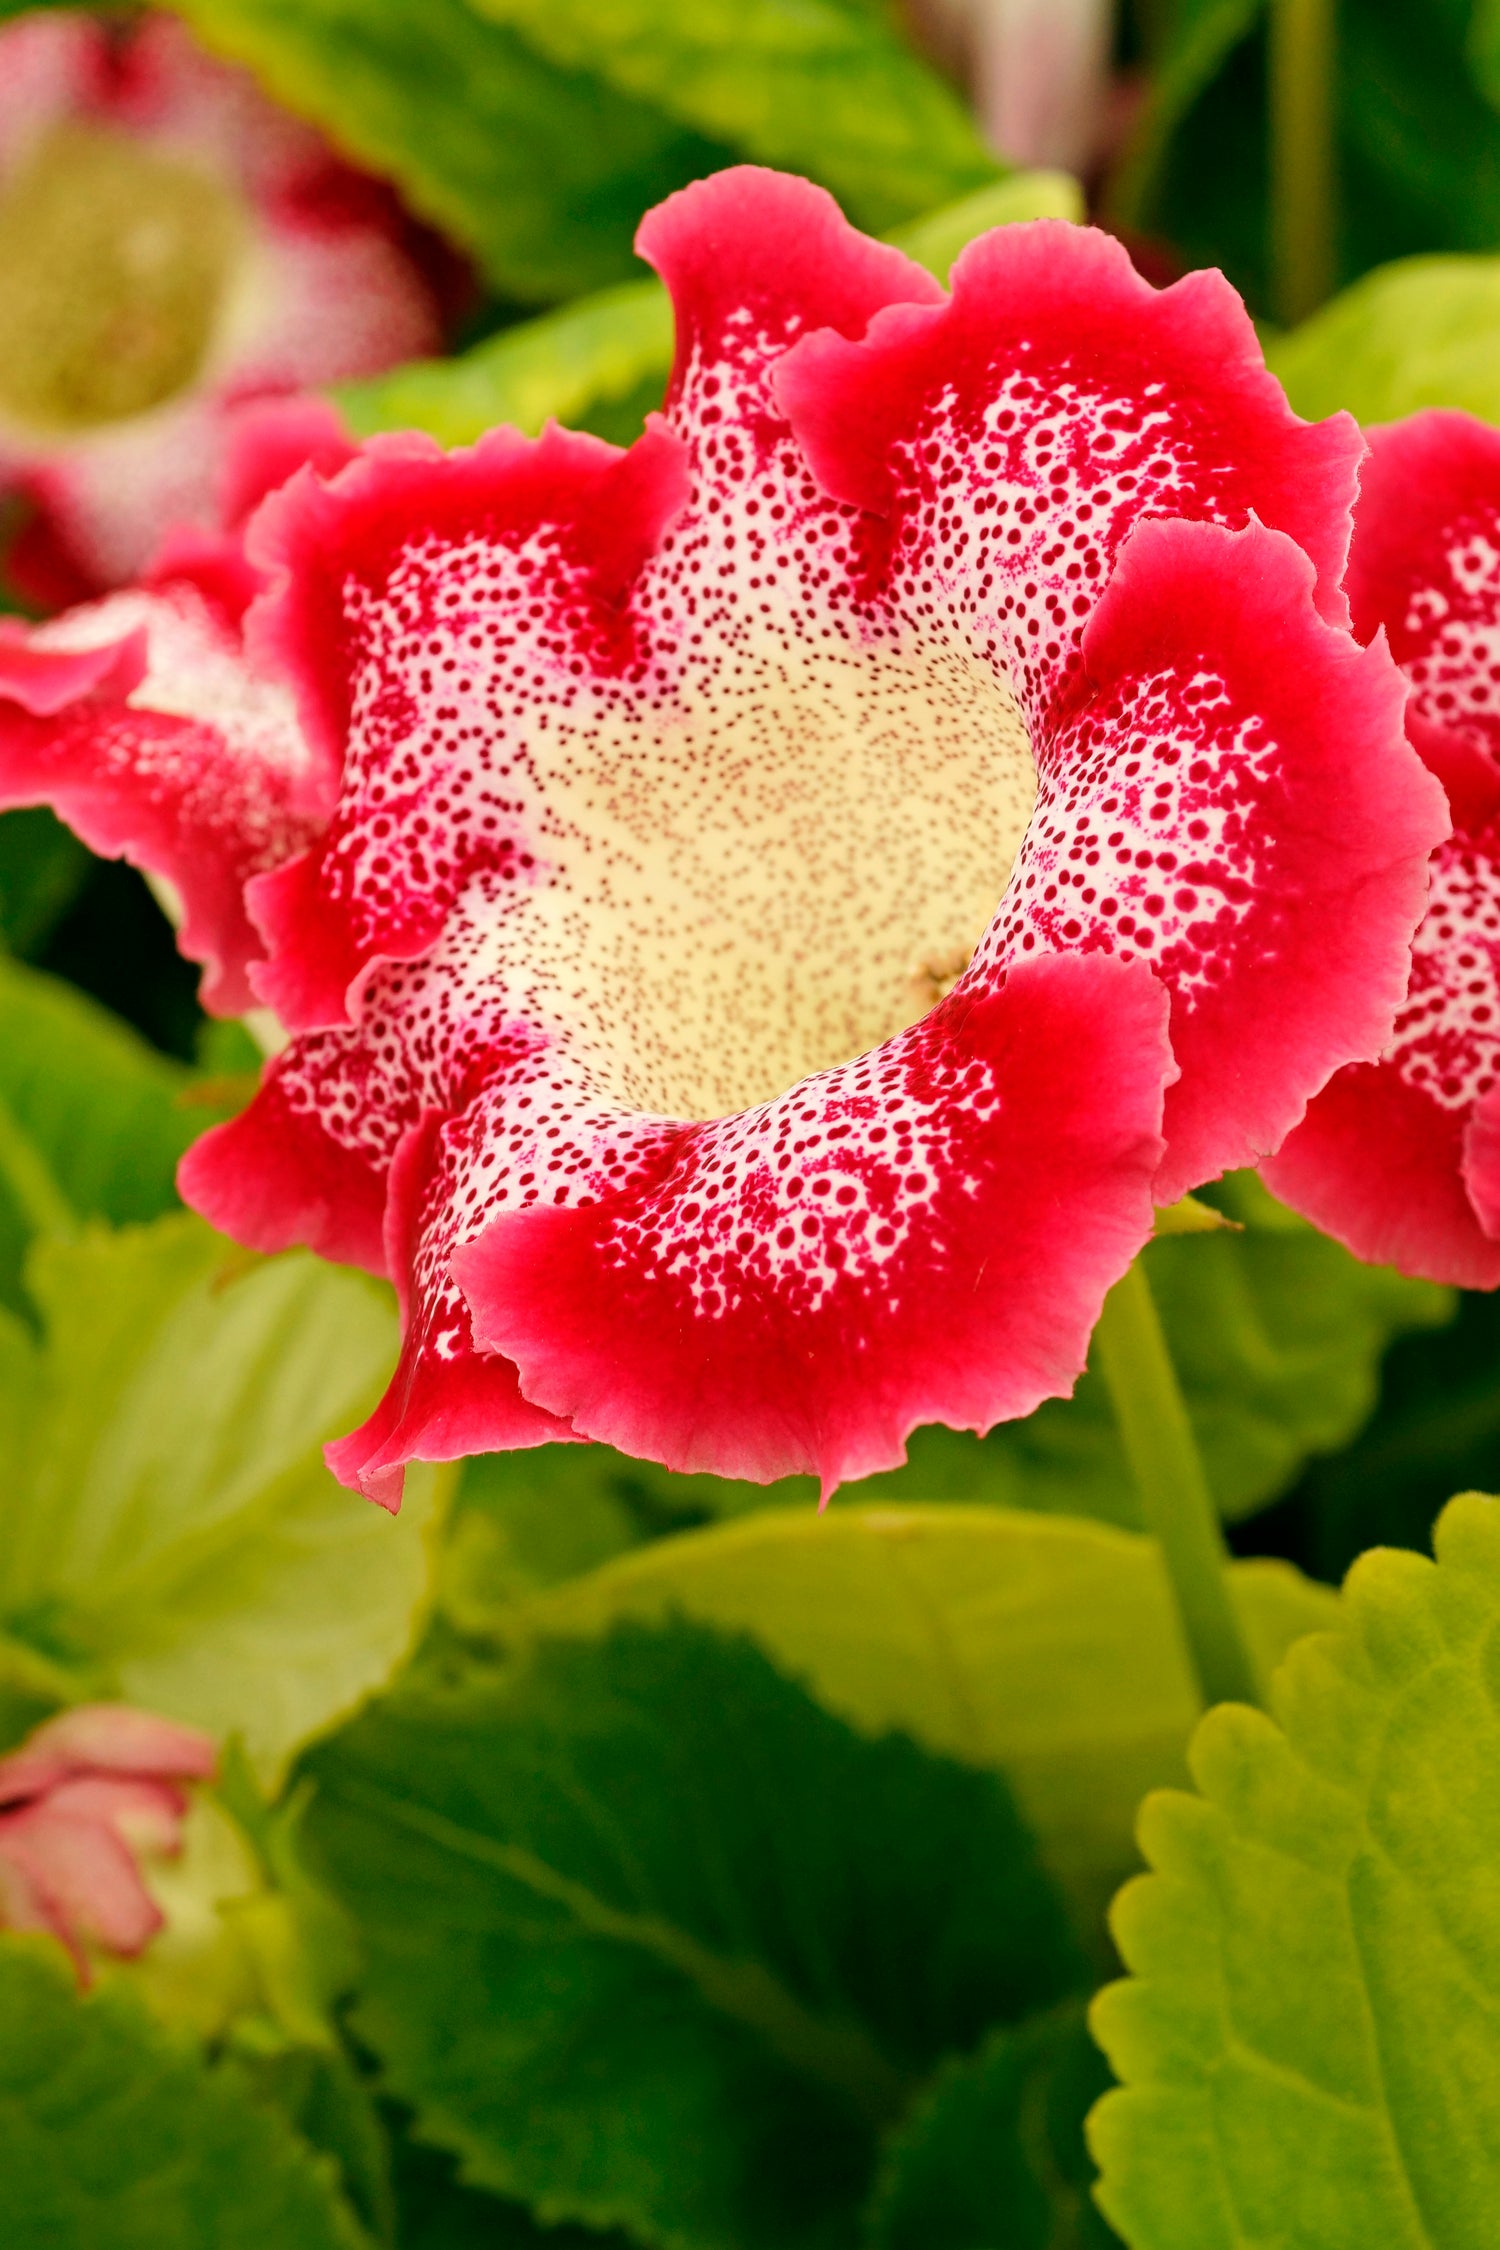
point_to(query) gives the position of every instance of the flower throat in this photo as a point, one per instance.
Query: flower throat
(113, 266)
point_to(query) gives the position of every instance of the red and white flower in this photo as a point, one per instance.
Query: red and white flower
(147, 722)
(797, 890)
(171, 246)
(83, 1799)
(1401, 1158)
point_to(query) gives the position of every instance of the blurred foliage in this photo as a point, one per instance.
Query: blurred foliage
(1418, 138)
(1423, 332)
(537, 135)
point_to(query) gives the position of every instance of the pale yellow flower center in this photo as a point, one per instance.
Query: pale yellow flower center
(114, 261)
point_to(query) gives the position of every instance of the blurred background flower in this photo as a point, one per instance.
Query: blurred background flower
(172, 246)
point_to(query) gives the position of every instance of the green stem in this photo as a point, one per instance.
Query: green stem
(1302, 156)
(1178, 1507)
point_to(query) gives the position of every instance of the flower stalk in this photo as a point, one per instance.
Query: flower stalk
(1302, 156)
(1175, 1499)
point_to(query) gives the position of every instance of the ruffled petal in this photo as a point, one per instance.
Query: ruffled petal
(142, 721)
(677, 795)
(1400, 1161)
(1234, 802)
(925, 1234)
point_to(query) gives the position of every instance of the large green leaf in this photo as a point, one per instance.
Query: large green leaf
(1423, 332)
(653, 1940)
(114, 2136)
(541, 172)
(602, 362)
(168, 1531)
(1310, 2040)
(1039, 1647)
(825, 87)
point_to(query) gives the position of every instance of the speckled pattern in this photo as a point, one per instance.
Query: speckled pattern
(1403, 1162)
(199, 771)
(678, 793)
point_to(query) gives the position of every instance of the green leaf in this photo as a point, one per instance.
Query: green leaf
(652, 1940)
(113, 2135)
(436, 2211)
(541, 172)
(1310, 2039)
(602, 362)
(91, 1122)
(993, 2158)
(42, 868)
(1424, 332)
(824, 87)
(1043, 1648)
(168, 1531)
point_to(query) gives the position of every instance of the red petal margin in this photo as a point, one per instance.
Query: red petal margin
(1011, 439)
(754, 259)
(937, 1249)
(370, 889)
(140, 723)
(1401, 1161)
(445, 1400)
(275, 1177)
(1425, 565)
(1235, 801)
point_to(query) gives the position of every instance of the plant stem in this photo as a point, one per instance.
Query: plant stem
(1302, 155)
(1178, 1507)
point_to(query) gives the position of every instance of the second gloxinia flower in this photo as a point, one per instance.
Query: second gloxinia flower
(799, 889)
(172, 245)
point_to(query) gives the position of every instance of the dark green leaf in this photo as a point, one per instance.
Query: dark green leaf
(113, 2136)
(993, 2158)
(541, 172)
(654, 1941)
(436, 2211)
(824, 87)
(1042, 1647)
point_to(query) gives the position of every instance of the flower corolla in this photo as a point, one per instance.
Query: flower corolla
(794, 893)
(172, 246)
(1400, 1158)
(82, 1800)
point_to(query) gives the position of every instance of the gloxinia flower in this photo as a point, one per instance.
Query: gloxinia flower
(171, 245)
(79, 1801)
(1400, 1159)
(798, 888)
(147, 722)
